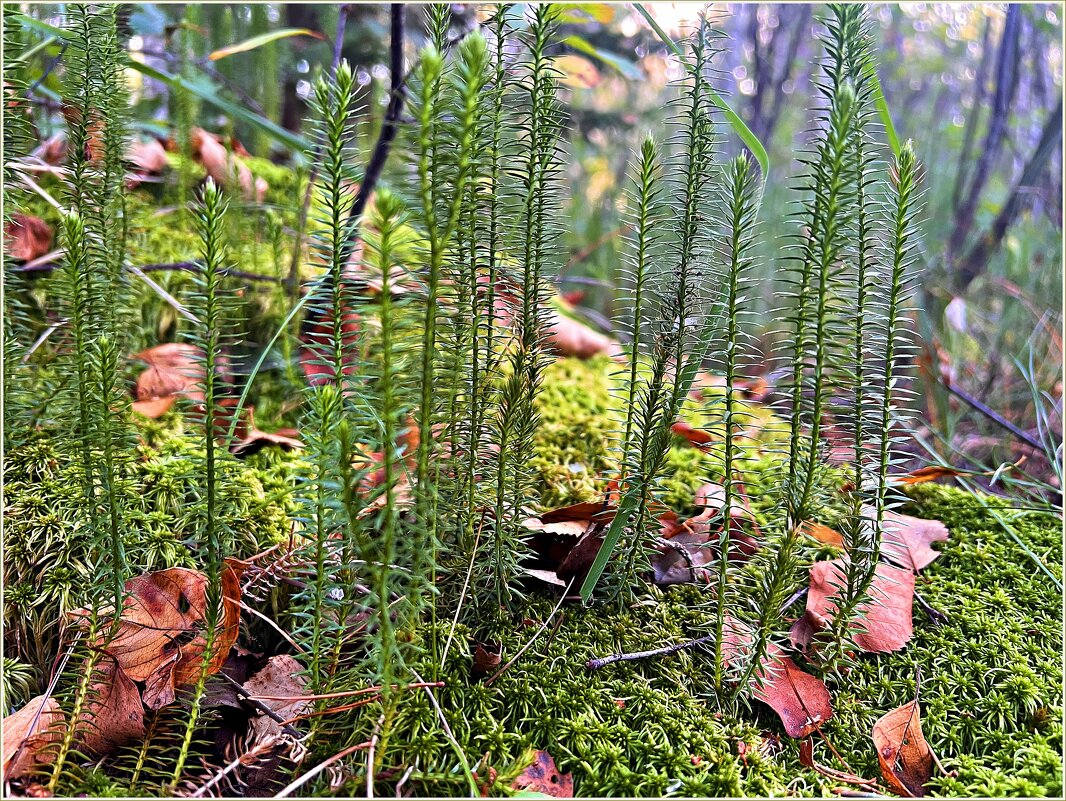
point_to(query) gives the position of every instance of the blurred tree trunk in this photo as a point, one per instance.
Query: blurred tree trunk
(977, 257)
(1006, 85)
(773, 59)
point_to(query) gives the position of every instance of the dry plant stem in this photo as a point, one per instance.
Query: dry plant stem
(296, 785)
(462, 595)
(596, 664)
(474, 790)
(370, 757)
(345, 693)
(264, 746)
(532, 639)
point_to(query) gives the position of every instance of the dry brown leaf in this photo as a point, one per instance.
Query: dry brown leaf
(280, 679)
(907, 540)
(696, 436)
(250, 439)
(316, 348)
(801, 700)
(906, 758)
(224, 169)
(824, 534)
(487, 657)
(114, 714)
(543, 777)
(924, 474)
(27, 735)
(27, 237)
(883, 622)
(160, 638)
(570, 337)
(148, 156)
(173, 369)
(577, 72)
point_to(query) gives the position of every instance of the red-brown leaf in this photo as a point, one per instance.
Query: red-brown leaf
(27, 237)
(801, 700)
(697, 436)
(883, 622)
(160, 638)
(28, 734)
(543, 777)
(907, 540)
(114, 714)
(906, 758)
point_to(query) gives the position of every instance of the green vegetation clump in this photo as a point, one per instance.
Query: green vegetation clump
(572, 453)
(48, 554)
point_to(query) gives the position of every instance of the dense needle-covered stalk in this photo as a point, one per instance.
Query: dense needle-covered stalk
(515, 418)
(681, 330)
(741, 203)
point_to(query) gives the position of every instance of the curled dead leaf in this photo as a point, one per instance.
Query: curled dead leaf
(173, 369)
(226, 170)
(160, 636)
(924, 474)
(114, 713)
(905, 757)
(148, 156)
(28, 734)
(570, 337)
(27, 237)
(696, 436)
(801, 700)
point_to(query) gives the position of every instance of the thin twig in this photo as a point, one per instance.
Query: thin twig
(260, 706)
(596, 664)
(462, 595)
(995, 417)
(170, 299)
(474, 791)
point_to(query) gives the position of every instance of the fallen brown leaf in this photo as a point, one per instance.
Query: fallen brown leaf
(28, 734)
(907, 540)
(824, 534)
(148, 156)
(27, 237)
(160, 639)
(173, 369)
(883, 622)
(801, 700)
(280, 679)
(543, 777)
(114, 713)
(696, 436)
(224, 169)
(570, 337)
(924, 474)
(906, 758)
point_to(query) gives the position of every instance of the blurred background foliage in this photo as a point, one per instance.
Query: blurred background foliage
(977, 86)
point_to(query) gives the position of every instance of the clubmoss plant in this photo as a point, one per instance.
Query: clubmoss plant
(215, 322)
(680, 331)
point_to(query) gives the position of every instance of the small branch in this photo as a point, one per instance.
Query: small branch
(261, 707)
(995, 417)
(596, 664)
(40, 266)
